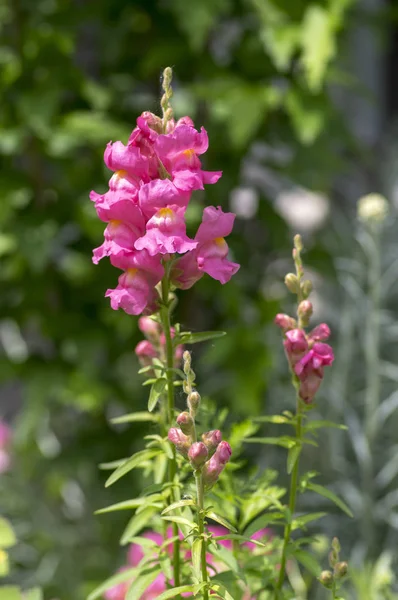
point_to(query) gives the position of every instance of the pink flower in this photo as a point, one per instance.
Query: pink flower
(210, 256)
(160, 193)
(310, 368)
(178, 152)
(213, 468)
(145, 352)
(135, 553)
(285, 322)
(212, 439)
(320, 333)
(118, 591)
(133, 293)
(128, 158)
(180, 441)
(150, 328)
(165, 233)
(197, 454)
(5, 439)
(296, 345)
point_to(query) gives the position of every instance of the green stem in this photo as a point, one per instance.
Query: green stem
(201, 526)
(292, 501)
(372, 396)
(165, 318)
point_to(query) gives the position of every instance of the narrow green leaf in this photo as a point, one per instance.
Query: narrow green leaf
(292, 457)
(113, 464)
(140, 584)
(136, 417)
(226, 556)
(156, 391)
(163, 443)
(221, 590)
(131, 463)
(299, 522)
(240, 538)
(181, 521)
(308, 561)
(121, 577)
(137, 523)
(319, 424)
(193, 338)
(263, 521)
(179, 504)
(215, 517)
(323, 491)
(7, 535)
(196, 557)
(127, 504)
(285, 441)
(276, 419)
(174, 592)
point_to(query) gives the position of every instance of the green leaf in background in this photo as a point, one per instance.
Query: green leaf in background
(196, 557)
(323, 491)
(4, 563)
(264, 521)
(195, 338)
(138, 522)
(157, 390)
(136, 417)
(33, 594)
(300, 522)
(10, 592)
(318, 44)
(128, 504)
(308, 561)
(292, 457)
(215, 517)
(142, 582)
(121, 577)
(174, 592)
(179, 504)
(7, 535)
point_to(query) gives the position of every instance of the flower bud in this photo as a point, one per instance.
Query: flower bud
(193, 402)
(186, 357)
(373, 208)
(214, 466)
(305, 310)
(197, 454)
(186, 423)
(180, 441)
(341, 569)
(320, 333)
(298, 242)
(223, 452)
(150, 328)
(326, 578)
(333, 558)
(306, 288)
(211, 439)
(145, 352)
(285, 322)
(336, 545)
(292, 283)
(296, 345)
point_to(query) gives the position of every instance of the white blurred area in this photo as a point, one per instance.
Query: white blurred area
(303, 210)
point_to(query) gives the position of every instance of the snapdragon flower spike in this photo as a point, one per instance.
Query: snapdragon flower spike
(213, 467)
(296, 345)
(310, 370)
(180, 441)
(210, 255)
(212, 439)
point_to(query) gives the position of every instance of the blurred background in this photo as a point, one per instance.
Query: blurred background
(300, 100)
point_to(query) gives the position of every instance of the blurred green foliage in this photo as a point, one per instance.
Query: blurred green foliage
(73, 76)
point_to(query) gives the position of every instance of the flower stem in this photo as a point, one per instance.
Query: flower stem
(201, 526)
(292, 498)
(165, 318)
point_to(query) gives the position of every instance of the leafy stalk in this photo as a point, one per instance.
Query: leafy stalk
(166, 326)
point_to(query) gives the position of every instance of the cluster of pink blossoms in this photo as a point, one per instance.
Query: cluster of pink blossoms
(5, 439)
(144, 208)
(135, 555)
(154, 345)
(306, 353)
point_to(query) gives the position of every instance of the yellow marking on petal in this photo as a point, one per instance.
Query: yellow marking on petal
(132, 272)
(121, 173)
(219, 241)
(165, 212)
(189, 153)
(115, 222)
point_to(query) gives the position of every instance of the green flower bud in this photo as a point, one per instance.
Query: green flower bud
(372, 208)
(326, 578)
(298, 242)
(292, 283)
(341, 569)
(193, 402)
(306, 288)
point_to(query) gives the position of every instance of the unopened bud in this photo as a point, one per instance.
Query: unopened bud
(285, 322)
(211, 439)
(180, 441)
(333, 558)
(336, 545)
(193, 402)
(198, 454)
(298, 242)
(320, 333)
(373, 208)
(150, 328)
(145, 352)
(341, 569)
(214, 466)
(304, 311)
(306, 288)
(326, 578)
(185, 423)
(186, 357)
(292, 283)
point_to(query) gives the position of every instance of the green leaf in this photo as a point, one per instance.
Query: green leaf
(226, 556)
(127, 504)
(299, 522)
(136, 417)
(263, 521)
(277, 419)
(33, 594)
(196, 557)
(137, 523)
(131, 463)
(215, 517)
(319, 424)
(10, 592)
(221, 590)
(112, 581)
(174, 592)
(292, 457)
(156, 391)
(140, 584)
(179, 504)
(113, 464)
(308, 561)
(194, 338)
(7, 535)
(323, 491)
(4, 563)
(240, 538)
(285, 441)
(181, 521)
(318, 44)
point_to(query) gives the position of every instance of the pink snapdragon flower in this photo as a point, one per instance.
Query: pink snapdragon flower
(210, 256)
(296, 345)
(310, 369)
(213, 468)
(133, 293)
(5, 439)
(166, 233)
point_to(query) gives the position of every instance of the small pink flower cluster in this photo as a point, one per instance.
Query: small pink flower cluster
(211, 453)
(307, 354)
(135, 555)
(5, 438)
(144, 208)
(154, 345)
